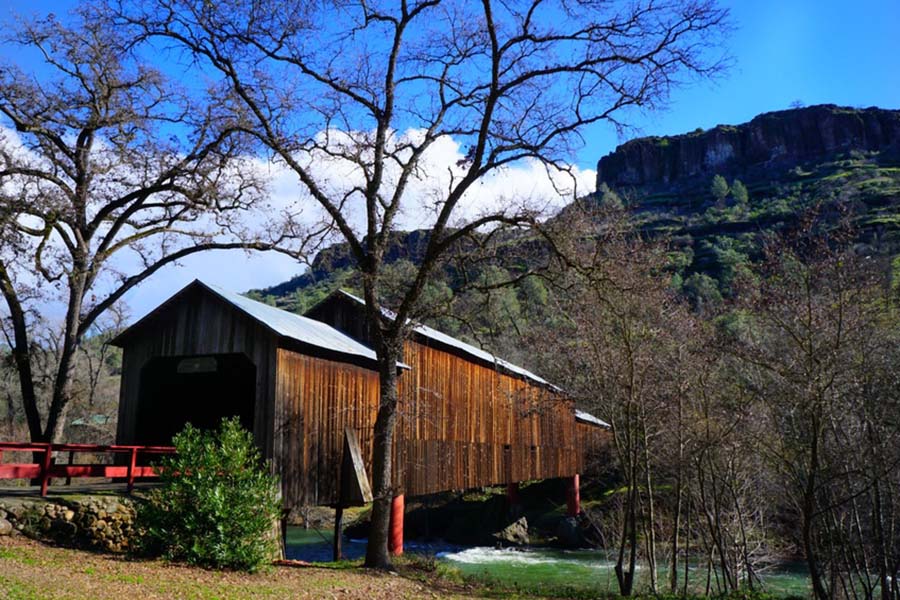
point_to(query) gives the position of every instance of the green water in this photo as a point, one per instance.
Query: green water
(532, 569)
(587, 570)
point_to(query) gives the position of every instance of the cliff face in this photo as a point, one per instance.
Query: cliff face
(769, 141)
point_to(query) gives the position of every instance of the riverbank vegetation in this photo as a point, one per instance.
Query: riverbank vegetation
(757, 430)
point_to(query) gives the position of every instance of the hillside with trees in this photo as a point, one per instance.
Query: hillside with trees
(718, 211)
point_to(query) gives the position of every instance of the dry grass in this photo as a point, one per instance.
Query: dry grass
(32, 571)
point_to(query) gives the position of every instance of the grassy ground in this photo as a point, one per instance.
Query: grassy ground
(33, 571)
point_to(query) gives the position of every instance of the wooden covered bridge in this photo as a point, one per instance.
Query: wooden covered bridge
(301, 384)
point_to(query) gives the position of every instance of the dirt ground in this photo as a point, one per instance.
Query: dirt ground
(34, 571)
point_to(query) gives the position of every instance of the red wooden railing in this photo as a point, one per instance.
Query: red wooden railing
(47, 469)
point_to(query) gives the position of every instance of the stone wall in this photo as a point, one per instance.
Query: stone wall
(101, 522)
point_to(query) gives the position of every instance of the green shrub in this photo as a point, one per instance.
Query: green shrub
(217, 504)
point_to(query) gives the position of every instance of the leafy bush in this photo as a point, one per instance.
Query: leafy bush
(217, 504)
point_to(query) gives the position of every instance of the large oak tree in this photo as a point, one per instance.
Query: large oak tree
(107, 174)
(372, 86)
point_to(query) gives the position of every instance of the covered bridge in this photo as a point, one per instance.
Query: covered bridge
(466, 418)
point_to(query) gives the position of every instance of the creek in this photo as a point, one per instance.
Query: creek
(532, 569)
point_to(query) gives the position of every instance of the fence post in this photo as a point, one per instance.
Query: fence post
(131, 464)
(71, 460)
(45, 469)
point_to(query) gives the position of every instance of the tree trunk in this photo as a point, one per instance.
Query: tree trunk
(687, 548)
(650, 522)
(676, 524)
(625, 578)
(676, 520)
(809, 506)
(377, 555)
(22, 356)
(62, 385)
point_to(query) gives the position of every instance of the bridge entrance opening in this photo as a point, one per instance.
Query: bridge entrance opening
(201, 390)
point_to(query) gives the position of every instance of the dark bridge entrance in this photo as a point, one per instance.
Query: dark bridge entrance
(201, 390)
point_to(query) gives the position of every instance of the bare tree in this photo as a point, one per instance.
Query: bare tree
(107, 174)
(624, 346)
(818, 352)
(372, 86)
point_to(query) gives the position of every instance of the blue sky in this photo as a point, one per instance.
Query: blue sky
(815, 51)
(825, 51)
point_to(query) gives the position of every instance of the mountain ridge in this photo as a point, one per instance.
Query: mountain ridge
(769, 140)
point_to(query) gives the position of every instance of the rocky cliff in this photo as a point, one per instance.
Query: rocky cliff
(771, 140)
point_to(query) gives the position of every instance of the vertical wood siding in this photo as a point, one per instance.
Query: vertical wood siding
(316, 400)
(464, 425)
(460, 425)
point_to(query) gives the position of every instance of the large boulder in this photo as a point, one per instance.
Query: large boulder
(516, 533)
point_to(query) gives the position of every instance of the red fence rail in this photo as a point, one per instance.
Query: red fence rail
(47, 469)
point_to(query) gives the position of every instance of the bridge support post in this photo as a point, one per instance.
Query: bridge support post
(395, 530)
(573, 496)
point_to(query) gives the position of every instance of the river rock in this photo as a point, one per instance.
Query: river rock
(515, 533)
(6, 527)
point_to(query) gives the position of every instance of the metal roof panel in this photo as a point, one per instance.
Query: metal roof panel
(469, 349)
(585, 417)
(294, 326)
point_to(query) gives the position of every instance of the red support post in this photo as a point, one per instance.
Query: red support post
(132, 461)
(512, 494)
(45, 469)
(395, 530)
(573, 496)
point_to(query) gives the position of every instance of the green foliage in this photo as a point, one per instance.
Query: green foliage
(608, 198)
(217, 504)
(739, 192)
(701, 291)
(260, 297)
(719, 188)
(308, 296)
(533, 295)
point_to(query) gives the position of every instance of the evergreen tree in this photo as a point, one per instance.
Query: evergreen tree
(719, 189)
(739, 192)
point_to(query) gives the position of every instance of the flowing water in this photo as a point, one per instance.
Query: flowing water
(533, 569)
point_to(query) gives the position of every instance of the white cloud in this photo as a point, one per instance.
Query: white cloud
(526, 183)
